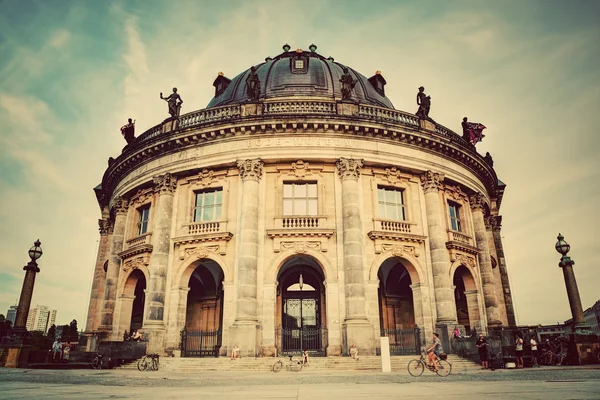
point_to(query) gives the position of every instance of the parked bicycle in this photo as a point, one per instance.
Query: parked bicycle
(148, 362)
(292, 365)
(98, 361)
(416, 367)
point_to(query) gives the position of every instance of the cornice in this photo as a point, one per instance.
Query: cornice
(281, 233)
(402, 237)
(440, 142)
(139, 249)
(454, 245)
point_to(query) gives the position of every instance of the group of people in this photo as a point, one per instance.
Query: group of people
(482, 347)
(136, 336)
(61, 351)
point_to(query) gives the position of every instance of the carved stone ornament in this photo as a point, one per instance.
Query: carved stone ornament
(301, 247)
(199, 251)
(349, 168)
(496, 222)
(119, 205)
(300, 168)
(466, 260)
(165, 184)
(399, 250)
(135, 263)
(456, 193)
(104, 226)
(477, 201)
(141, 196)
(488, 222)
(431, 181)
(251, 169)
(393, 175)
(206, 177)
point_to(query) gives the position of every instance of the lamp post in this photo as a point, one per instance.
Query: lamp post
(27, 291)
(571, 283)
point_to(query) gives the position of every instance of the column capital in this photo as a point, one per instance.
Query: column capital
(251, 169)
(349, 168)
(104, 226)
(431, 181)
(477, 201)
(119, 205)
(165, 184)
(496, 222)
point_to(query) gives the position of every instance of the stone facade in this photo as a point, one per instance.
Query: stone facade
(201, 229)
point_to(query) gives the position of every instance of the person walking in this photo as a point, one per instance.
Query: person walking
(56, 351)
(482, 346)
(519, 351)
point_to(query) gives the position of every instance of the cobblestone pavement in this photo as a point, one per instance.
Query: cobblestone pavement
(547, 384)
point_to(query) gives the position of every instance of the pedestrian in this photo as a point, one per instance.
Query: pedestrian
(67, 352)
(482, 346)
(305, 357)
(56, 350)
(456, 333)
(519, 351)
(235, 352)
(534, 353)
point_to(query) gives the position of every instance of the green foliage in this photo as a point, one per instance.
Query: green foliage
(5, 326)
(51, 333)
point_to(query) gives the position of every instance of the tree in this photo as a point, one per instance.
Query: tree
(73, 331)
(65, 334)
(51, 333)
(5, 326)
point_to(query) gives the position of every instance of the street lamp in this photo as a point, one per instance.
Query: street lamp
(31, 269)
(562, 247)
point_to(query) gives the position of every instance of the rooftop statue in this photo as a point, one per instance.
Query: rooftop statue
(347, 84)
(128, 131)
(253, 85)
(488, 159)
(472, 131)
(174, 101)
(424, 103)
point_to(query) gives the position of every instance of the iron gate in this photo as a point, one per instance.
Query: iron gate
(200, 343)
(296, 340)
(403, 341)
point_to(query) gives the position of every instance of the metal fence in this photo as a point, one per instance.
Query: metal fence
(200, 343)
(403, 341)
(294, 341)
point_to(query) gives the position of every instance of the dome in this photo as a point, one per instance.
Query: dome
(296, 74)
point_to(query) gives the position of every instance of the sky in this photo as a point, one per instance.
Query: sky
(72, 72)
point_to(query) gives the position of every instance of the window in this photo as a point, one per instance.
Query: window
(299, 63)
(391, 203)
(143, 217)
(208, 205)
(454, 210)
(300, 198)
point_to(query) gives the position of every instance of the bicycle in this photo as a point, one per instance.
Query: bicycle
(98, 361)
(416, 367)
(293, 365)
(149, 361)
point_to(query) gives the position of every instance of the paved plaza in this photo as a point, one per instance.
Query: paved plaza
(565, 383)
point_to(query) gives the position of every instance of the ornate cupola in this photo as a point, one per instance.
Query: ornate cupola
(221, 83)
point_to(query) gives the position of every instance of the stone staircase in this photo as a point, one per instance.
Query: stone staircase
(264, 364)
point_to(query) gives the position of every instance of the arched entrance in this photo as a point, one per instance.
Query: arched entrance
(465, 297)
(204, 311)
(300, 312)
(133, 301)
(396, 307)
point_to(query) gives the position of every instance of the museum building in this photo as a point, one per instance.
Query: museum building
(298, 210)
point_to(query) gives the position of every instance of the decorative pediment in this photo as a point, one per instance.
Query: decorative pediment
(465, 259)
(204, 178)
(300, 169)
(385, 241)
(302, 246)
(142, 196)
(399, 250)
(197, 251)
(455, 193)
(392, 176)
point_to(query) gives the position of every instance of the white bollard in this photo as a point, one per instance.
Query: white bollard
(386, 363)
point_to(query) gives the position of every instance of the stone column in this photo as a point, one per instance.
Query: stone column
(269, 303)
(177, 317)
(154, 323)
(473, 309)
(356, 324)
(119, 210)
(477, 202)
(496, 221)
(244, 331)
(334, 335)
(440, 259)
(97, 295)
(125, 304)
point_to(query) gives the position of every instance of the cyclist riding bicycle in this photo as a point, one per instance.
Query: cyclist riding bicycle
(434, 351)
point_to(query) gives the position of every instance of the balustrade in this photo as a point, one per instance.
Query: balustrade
(455, 236)
(392, 226)
(199, 228)
(139, 240)
(209, 115)
(385, 114)
(300, 107)
(299, 222)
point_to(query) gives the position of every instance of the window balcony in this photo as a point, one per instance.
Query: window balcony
(139, 240)
(204, 227)
(313, 231)
(388, 225)
(137, 245)
(456, 236)
(461, 242)
(300, 222)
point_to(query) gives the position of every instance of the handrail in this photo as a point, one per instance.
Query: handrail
(386, 114)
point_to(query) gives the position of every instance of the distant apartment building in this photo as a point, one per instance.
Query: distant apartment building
(11, 314)
(40, 319)
(550, 332)
(592, 318)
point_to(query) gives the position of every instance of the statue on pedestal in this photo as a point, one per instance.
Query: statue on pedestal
(424, 103)
(174, 101)
(128, 131)
(253, 85)
(488, 159)
(347, 84)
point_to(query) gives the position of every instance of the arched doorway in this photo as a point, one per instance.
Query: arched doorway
(204, 311)
(300, 312)
(396, 307)
(465, 297)
(135, 285)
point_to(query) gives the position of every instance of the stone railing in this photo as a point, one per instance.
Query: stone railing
(460, 237)
(387, 225)
(139, 240)
(386, 114)
(300, 107)
(199, 228)
(209, 115)
(300, 222)
(150, 133)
